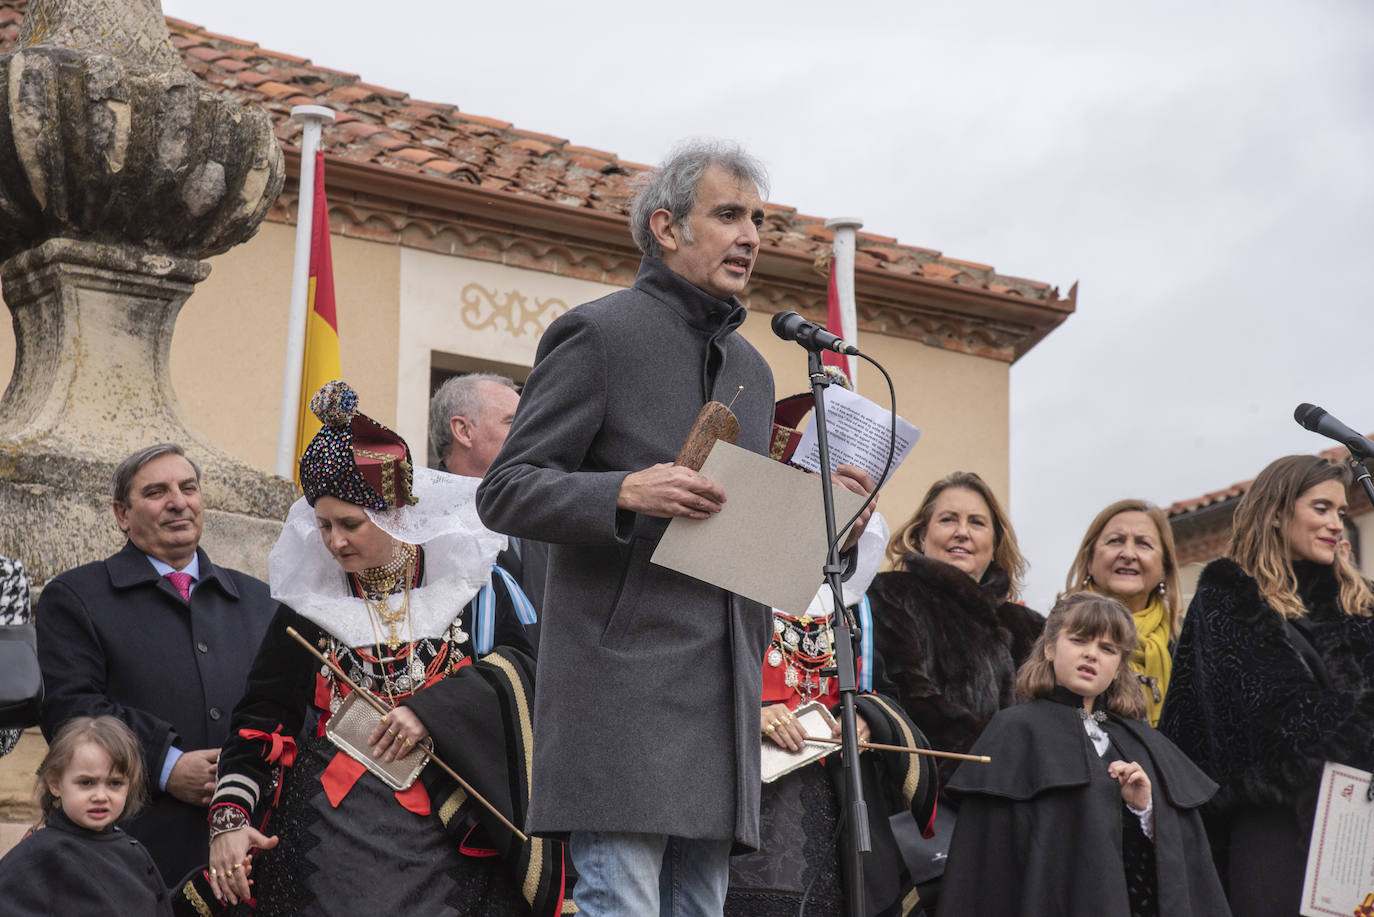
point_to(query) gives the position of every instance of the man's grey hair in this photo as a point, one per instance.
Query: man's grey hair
(673, 186)
(124, 473)
(459, 396)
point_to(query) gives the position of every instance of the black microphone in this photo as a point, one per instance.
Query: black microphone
(792, 327)
(1318, 421)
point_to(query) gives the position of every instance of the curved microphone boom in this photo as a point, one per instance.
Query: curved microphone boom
(792, 327)
(1318, 421)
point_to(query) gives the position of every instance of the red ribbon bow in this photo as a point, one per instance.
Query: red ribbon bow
(280, 749)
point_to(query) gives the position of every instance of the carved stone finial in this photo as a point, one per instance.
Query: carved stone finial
(133, 30)
(111, 139)
(119, 171)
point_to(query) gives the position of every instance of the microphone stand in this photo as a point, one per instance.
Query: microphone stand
(1357, 465)
(853, 809)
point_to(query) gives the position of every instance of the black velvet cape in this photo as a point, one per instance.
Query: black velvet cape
(1249, 710)
(1040, 828)
(76, 872)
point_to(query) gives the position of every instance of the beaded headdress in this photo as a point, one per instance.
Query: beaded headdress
(353, 457)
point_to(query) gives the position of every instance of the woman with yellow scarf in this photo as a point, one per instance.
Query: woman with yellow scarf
(1128, 554)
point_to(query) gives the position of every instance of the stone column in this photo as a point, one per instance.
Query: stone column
(119, 172)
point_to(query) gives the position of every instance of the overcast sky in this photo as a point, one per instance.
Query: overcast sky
(1204, 169)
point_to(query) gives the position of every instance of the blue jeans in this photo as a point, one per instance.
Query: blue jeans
(639, 875)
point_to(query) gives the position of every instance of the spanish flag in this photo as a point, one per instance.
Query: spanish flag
(321, 363)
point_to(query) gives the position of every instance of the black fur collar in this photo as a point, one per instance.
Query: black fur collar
(1325, 624)
(936, 574)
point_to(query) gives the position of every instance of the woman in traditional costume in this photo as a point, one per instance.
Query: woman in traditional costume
(386, 570)
(1274, 676)
(1128, 554)
(800, 860)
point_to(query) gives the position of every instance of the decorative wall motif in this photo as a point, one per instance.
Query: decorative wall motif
(501, 243)
(508, 313)
(518, 246)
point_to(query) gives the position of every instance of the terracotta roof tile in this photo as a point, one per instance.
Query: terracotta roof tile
(413, 154)
(537, 147)
(275, 90)
(205, 52)
(388, 141)
(277, 55)
(549, 139)
(252, 78)
(489, 122)
(388, 128)
(448, 167)
(379, 90)
(588, 151)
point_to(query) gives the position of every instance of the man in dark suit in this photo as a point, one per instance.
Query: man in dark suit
(160, 637)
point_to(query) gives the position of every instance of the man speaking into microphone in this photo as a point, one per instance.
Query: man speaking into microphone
(646, 717)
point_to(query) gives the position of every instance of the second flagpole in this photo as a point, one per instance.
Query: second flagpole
(842, 249)
(314, 117)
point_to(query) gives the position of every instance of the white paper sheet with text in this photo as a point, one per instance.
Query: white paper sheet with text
(859, 434)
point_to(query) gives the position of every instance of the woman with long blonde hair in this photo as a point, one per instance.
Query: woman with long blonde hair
(1273, 676)
(1128, 554)
(950, 630)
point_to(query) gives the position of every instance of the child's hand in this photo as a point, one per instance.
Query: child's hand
(1135, 785)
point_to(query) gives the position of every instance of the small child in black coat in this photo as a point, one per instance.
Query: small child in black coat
(1085, 810)
(76, 862)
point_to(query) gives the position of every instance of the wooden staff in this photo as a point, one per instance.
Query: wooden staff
(714, 421)
(982, 759)
(384, 710)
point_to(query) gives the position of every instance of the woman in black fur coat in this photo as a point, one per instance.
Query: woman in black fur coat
(947, 622)
(1272, 678)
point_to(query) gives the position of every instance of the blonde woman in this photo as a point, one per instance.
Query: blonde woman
(950, 631)
(1128, 554)
(949, 627)
(1272, 678)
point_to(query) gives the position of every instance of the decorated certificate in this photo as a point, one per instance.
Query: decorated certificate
(1340, 858)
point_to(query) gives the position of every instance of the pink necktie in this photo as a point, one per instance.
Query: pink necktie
(182, 581)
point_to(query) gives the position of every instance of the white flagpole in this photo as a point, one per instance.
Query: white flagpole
(314, 117)
(843, 249)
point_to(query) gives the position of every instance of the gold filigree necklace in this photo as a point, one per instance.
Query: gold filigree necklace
(377, 584)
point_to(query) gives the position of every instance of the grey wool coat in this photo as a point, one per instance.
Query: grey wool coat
(648, 687)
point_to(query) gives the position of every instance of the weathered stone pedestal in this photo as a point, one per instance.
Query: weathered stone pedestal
(93, 330)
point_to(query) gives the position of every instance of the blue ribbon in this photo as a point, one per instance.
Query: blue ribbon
(484, 631)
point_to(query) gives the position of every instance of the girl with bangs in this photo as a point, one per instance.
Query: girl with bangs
(1084, 809)
(77, 861)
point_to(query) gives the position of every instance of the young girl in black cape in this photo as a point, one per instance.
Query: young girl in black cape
(77, 862)
(1084, 810)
